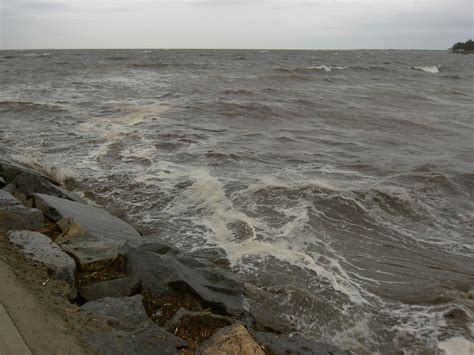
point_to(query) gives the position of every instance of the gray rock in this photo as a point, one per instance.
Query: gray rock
(265, 310)
(183, 314)
(29, 183)
(124, 287)
(23, 199)
(15, 216)
(7, 199)
(297, 344)
(162, 267)
(233, 339)
(151, 340)
(9, 169)
(95, 221)
(240, 230)
(133, 333)
(125, 313)
(90, 251)
(41, 248)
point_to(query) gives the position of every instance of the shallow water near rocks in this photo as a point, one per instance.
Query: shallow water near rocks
(339, 184)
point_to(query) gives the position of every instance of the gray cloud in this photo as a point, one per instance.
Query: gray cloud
(234, 23)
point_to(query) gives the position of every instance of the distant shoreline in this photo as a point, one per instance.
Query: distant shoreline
(224, 49)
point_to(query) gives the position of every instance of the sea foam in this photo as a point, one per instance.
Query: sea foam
(428, 69)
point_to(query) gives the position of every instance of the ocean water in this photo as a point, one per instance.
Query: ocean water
(339, 184)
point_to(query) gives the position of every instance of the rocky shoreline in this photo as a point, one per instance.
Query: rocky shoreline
(155, 298)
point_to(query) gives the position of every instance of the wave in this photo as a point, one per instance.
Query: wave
(120, 134)
(162, 65)
(149, 65)
(241, 109)
(371, 68)
(292, 76)
(457, 346)
(324, 68)
(29, 106)
(117, 58)
(428, 69)
(242, 92)
(37, 54)
(453, 76)
(428, 179)
(63, 175)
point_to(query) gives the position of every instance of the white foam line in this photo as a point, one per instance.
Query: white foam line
(457, 346)
(208, 192)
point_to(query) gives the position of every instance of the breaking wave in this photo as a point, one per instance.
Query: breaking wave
(428, 69)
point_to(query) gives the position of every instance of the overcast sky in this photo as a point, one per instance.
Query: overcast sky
(312, 24)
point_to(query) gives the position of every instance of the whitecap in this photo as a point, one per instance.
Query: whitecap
(428, 69)
(49, 165)
(326, 68)
(457, 346)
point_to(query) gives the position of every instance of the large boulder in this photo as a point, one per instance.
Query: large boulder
(133, 333)
(123, 287)
(234, 339)
(149, 340)
(162, 267)
(39, 247)
(92, 235)
(9, 169)
(125, 313)
(90, 251)
(296, 344)
(29, 183)
(15, 216)
(95, 221)
(204, 319)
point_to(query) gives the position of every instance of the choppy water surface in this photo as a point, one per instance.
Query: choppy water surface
(340, 184)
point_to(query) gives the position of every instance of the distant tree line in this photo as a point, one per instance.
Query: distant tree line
(465, 47)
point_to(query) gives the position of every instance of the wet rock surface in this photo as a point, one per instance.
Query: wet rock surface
(9, 170)
(123, 287)
(150, 340)
(134, 332)
(196, 327)
(183, 314)
(234, 339)
(90, 251)
(39, 247)
(29, 183)
(125, 313)
(297, 344)
(15, 216)
(162, 267)
(95, 221)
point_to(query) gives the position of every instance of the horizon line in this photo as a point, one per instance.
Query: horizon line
(244, 49)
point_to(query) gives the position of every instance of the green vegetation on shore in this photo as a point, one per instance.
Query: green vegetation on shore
(463, 47)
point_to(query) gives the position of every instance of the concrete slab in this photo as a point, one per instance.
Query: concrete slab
(11, 341)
